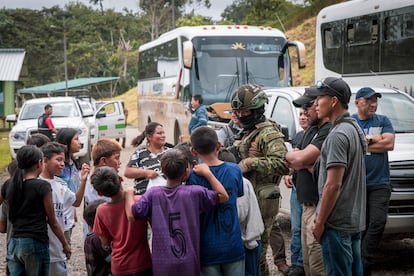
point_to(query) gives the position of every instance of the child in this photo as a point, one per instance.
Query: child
(30, 210)
(70, 173)
(251, 222)
(222, 251)
(105, 152)
(63, 199)
(130, 249)
(176, 209)
(5, 223)
(97, 259)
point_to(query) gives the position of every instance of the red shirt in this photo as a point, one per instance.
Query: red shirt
(48, 122)
(130, 249)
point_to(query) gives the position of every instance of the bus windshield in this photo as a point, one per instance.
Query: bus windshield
(221, 64)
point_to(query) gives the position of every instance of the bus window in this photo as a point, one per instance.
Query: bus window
(361, 49)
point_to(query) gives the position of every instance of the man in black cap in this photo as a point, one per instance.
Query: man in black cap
(380, 137)
(300, 160)
(340, 217)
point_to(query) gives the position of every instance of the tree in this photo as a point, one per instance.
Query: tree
(196, 20)
(161, 14)
(237, 11)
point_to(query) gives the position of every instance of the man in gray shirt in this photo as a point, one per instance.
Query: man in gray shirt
(340, 215)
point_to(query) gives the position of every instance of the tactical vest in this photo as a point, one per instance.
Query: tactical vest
(248, 146)
(265, 186)
(42, 127)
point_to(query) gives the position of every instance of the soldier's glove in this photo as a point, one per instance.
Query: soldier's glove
(246, 164)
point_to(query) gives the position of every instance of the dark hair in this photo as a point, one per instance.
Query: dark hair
(48, 106)
(104, 148)
(65, 136)
(185, 148)
(27, 158)
(174, 163)
(149, 130)
(52, 148)
(12, 167)
(105, 180)
(204, 139)
(38, 139)
(198, 98)
(89, 212)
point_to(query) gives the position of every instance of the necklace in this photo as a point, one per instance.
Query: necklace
(364, 126)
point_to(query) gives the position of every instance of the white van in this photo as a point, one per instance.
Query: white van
(107, 120)
(398, 107)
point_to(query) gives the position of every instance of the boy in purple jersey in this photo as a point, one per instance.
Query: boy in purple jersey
(174, 212)
(222, 250)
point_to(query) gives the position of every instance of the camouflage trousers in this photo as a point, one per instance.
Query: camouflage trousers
(272, 235)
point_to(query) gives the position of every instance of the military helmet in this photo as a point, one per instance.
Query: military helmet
(248, 96)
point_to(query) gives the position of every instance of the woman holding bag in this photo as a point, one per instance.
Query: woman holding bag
(144, 164)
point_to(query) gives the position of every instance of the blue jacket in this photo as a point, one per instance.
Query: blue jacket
(199, 118)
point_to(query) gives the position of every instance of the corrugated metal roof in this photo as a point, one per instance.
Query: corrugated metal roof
(61, 86)
(11, 62)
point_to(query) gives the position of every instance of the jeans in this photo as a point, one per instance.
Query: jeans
(378, 199)
(229, 269)
(341, 253)
(252, 260)
(27, 256)
(295, 218)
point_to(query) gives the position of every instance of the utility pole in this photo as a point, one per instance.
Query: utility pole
(173, 13)
(65, 61)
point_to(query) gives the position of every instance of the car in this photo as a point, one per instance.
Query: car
(79, 113)
(398, 107)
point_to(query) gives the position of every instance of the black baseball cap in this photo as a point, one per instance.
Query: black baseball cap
(303, 100)
(333, 87)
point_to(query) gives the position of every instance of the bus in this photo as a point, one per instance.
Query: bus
(367, 42)
(211, 61)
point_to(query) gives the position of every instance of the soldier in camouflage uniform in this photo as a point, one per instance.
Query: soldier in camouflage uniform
(261, 152)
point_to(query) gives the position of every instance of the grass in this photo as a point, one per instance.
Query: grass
(5, 157)
(130, 99)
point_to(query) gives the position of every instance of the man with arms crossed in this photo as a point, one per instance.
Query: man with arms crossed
(340, 217)
(380, 138)
(302, 159)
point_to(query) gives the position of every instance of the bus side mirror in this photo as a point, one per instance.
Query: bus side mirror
(300, 51)
(188, 54)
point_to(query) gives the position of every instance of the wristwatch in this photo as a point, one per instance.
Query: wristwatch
(369, 140)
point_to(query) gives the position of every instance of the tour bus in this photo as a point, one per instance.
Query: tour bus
(367, 42)
(211, 61)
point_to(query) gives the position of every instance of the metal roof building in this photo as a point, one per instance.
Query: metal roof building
(71, 86)
(11, 62)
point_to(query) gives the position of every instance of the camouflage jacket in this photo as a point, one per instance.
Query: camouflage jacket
(265, 145)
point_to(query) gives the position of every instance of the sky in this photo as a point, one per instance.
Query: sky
(217, 6)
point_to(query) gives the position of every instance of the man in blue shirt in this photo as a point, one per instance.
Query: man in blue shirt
(199, 117)
(380, 137)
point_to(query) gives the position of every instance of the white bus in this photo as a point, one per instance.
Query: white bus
(211, 61)
(367, 42)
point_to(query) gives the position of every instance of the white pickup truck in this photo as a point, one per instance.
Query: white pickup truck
(93, 120)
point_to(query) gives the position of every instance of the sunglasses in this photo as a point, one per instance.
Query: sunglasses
(308, 105)
(322, 84)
